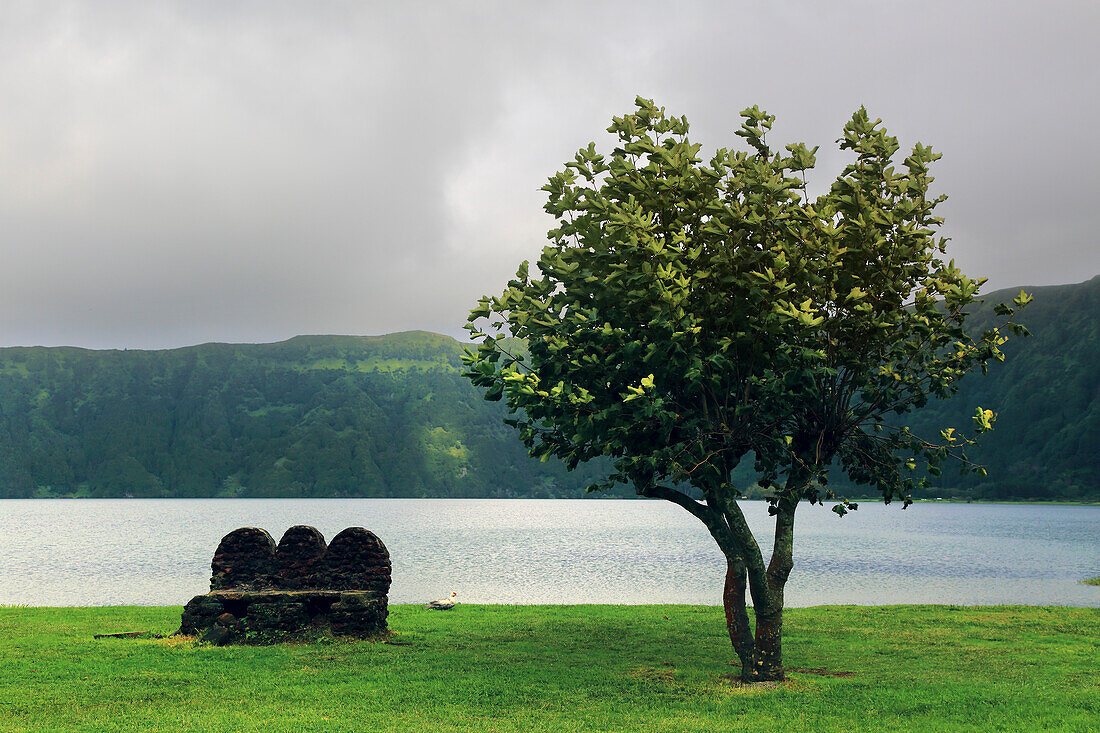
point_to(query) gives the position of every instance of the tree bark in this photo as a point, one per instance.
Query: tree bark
(737, 617)
(748, 565)
(767, 662)
(767, 656)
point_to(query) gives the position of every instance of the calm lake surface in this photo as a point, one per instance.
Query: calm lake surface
(157, 552)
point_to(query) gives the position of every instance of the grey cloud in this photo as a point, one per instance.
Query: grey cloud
(184, 172)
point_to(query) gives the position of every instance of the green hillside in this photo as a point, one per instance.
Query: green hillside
(1046, 444)
(316, 416)
(392, 416)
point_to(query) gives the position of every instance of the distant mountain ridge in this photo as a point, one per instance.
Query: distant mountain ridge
(321, 416)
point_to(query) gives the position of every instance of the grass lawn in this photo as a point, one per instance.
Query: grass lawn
(561, 668)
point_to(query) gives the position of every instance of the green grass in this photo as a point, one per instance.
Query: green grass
(1092, 581)
(561, 668)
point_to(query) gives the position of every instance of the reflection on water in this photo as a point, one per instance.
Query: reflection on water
(158, 551)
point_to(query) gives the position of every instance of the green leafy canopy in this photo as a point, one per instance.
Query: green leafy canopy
(688, 313)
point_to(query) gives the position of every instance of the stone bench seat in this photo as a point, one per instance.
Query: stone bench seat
(261, 592)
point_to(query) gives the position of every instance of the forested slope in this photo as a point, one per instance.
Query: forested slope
(1047, 396)
(392, 416)
(312, 416)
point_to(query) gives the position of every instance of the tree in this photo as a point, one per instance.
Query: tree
(688, 316)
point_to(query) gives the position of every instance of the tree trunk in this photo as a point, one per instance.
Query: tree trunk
(767, 661)
(737, 617)
(767, 658)
(760, 654)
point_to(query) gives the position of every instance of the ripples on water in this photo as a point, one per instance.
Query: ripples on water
(158, 551)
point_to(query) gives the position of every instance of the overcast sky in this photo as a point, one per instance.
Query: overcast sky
(179, 172)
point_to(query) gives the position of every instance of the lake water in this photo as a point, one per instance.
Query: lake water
(158, 552)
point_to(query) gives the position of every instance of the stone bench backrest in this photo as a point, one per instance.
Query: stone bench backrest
(248, 559)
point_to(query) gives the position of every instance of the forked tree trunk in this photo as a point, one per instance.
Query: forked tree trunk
(760, 653)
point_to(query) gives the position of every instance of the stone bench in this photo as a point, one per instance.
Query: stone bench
(261, 592)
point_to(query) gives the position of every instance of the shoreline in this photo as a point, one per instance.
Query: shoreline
(862, 500)
(636, 606)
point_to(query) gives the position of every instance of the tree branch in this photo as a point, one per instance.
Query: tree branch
(701, 511)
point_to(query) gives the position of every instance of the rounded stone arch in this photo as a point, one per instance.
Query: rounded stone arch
(299, 557)
(245, 558)
(357, 560)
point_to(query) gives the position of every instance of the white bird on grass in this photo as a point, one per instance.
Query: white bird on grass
(442, 604)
